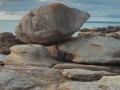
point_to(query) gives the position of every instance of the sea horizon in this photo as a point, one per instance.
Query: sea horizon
(9, 25)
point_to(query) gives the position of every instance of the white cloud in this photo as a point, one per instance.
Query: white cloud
(11, 15)
(0, 3)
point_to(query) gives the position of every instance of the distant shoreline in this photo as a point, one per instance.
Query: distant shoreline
(86, 21)
(102, 22)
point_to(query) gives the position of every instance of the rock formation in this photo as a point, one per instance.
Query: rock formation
(65, 64)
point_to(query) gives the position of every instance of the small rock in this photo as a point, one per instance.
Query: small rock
(52, 50)
(85, 75)
(110, 27)
(106, 83)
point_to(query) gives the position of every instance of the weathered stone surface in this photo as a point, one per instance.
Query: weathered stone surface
(106, 83)
(44, 77)
(94, 50)
(7, 40)
(85, 75)
(49, 24)
(30, 55)
(11, 80)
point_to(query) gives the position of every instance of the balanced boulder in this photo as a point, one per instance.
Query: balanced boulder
(94, 50)
(49, 24)
(30, 55)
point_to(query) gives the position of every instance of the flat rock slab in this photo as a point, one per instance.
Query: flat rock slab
(85, 75)
(49, 24)
(106, 83)
(115, 69)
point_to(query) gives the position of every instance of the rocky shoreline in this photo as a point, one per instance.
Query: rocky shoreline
(44, 56)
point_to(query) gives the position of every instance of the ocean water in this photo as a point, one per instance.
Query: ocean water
(9, 26)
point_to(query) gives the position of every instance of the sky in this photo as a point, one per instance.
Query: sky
(100, 10)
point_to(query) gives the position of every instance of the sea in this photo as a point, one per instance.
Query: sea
(9, 26)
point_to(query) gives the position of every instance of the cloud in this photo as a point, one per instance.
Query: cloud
(0, 3)
(99, 9)
(11, 15)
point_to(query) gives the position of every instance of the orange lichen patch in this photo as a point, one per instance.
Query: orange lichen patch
(52, 6)
(72, 42)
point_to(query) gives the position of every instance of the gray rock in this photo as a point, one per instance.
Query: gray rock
(42, 76)
(116, 27)
(30, 55)
(106, 83)
(92, 50)
(49, 24)
(110, 27)
(85, 75)
(12, 80)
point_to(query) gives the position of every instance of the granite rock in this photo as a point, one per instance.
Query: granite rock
(49, 24)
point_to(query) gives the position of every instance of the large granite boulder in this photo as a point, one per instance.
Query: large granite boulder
(50, 23)
(30, 55)
(94, 50)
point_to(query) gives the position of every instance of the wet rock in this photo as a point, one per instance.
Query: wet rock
(30, 55)
(94, 50)
(110, 27)
(7, 40)
(50, 23)
(85, 75)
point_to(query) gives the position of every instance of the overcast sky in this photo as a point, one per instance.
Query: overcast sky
(100, 10)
